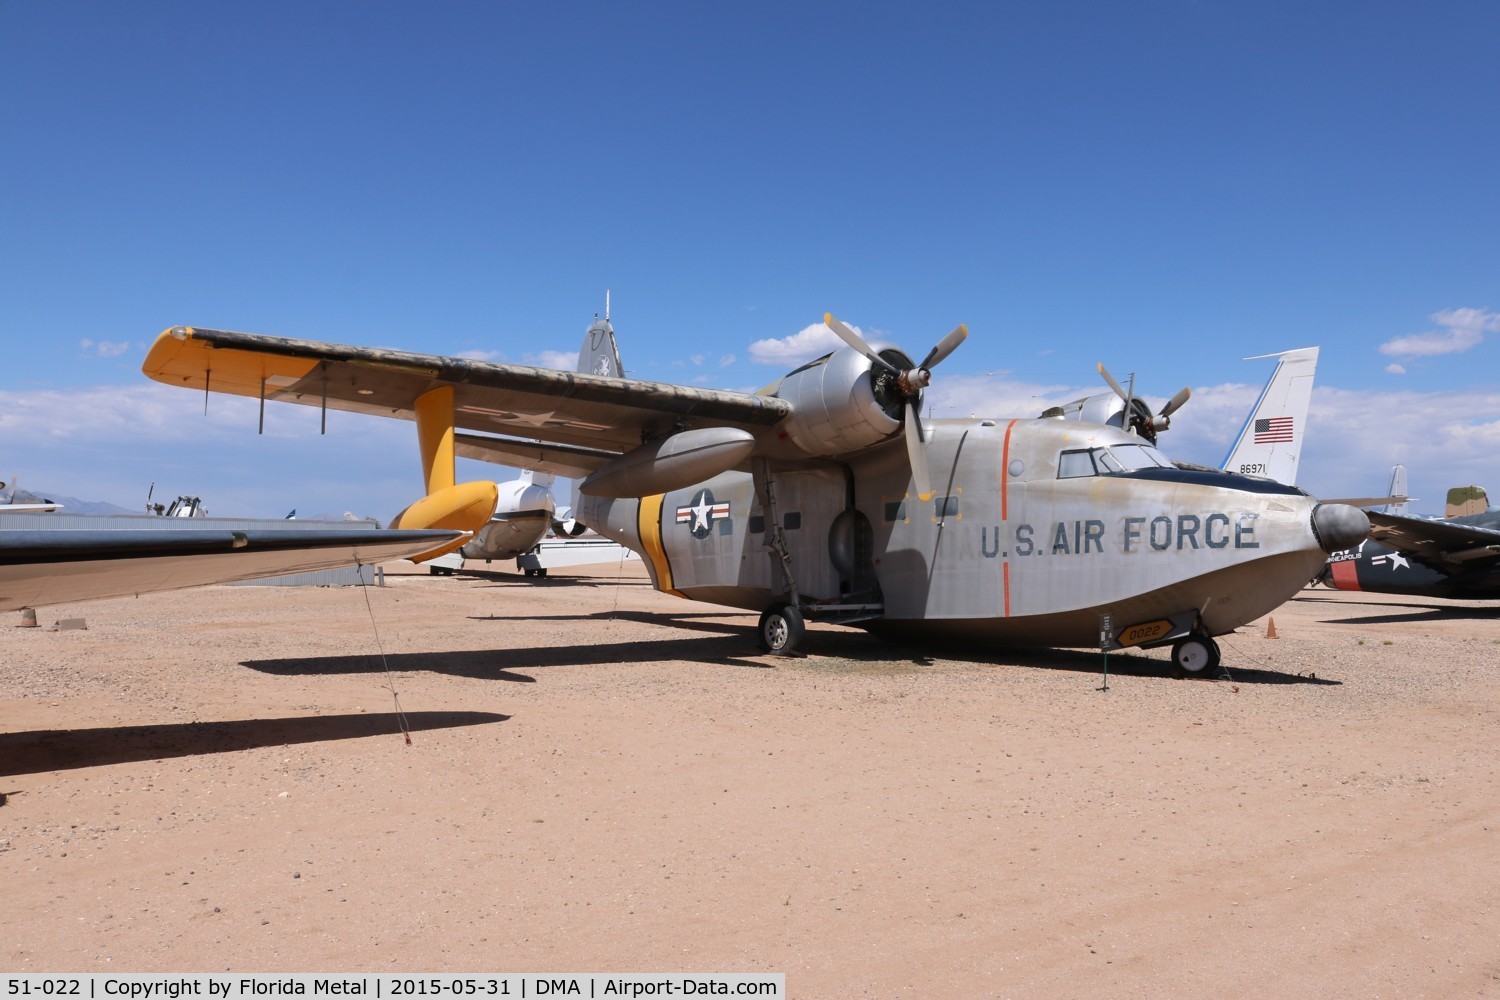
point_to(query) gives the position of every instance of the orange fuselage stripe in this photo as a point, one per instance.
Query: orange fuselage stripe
(1005, 509)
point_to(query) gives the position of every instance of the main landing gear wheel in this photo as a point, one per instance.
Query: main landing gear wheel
(1195, 655)
(781, 629)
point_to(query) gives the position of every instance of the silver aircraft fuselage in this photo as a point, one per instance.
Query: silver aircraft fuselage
(1036, 528)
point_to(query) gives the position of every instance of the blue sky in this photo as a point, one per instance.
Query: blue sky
(1164, 186)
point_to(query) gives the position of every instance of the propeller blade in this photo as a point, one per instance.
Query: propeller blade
(857, 342)
(1175, 402)
(916, 452)
(946, 346)
(1113, 384)
(1163, 420)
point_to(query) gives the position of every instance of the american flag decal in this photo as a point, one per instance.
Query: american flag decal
(1274, 430)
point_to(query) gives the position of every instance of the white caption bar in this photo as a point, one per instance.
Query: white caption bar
(479, 985)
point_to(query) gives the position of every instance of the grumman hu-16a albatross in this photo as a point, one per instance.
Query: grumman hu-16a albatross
(825, 495)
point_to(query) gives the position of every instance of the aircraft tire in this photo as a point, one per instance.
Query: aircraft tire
(1195, 654)
(781, 629)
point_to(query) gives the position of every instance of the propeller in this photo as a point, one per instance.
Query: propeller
(909, 383)
(1140, 418)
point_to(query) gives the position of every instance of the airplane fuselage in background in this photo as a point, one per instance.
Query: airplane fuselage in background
(523, 513)
(1379, 569)
(1004, 550)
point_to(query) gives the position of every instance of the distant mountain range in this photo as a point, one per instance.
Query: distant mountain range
(71, 505)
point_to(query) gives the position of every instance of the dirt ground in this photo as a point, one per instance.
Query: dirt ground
(601, 778)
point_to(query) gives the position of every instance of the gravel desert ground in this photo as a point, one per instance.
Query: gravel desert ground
(602, 778)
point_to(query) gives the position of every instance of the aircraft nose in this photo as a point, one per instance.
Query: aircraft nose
(1339, 526)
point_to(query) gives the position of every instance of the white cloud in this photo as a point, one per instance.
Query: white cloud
(1395, 369)
(562, 360)
(1461, 330)
(804, 345)
(726, 360)
(111, 442)
(481, 355)
(104, 348)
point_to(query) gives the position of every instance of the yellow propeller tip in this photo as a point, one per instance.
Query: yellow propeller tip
(828, 319)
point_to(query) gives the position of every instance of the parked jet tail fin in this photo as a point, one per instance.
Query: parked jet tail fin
(1397, 489)
(1463, 500)
(600, 354)
(1270, 443)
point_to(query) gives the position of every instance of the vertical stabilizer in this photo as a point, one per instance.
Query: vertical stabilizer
(1270, 443)
(1398, 489)
(1465, 500)
(600, 355)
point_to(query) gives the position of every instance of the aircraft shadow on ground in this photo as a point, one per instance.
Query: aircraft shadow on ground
(517, 580)
(64, 749)
(503, 664)
(1083, 661)
(725, 643)
(676, 621)
(1408, 613)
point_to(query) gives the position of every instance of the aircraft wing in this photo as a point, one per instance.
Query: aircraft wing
(593, 412)
(56, 566)
(1447, 546)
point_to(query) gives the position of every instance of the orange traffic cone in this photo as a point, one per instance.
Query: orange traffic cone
(1271, 629)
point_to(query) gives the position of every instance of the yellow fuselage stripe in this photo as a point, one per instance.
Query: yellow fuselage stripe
(648, 524)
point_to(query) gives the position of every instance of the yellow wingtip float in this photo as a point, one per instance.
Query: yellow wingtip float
(178, 358)
(464, 507)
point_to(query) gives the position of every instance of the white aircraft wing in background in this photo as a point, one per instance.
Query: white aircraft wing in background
(57, 566)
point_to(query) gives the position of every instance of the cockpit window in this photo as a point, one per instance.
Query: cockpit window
(1073, 464)
(1140, 456)
(1103, 461)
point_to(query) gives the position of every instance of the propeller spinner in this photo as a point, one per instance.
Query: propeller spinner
(909, 383)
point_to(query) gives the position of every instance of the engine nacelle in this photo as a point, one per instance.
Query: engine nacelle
(670, 463)
(839, 405)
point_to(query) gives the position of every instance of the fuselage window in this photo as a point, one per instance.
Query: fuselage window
(946, 506)
(895, 510)
(757, 524)
(791, 520)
